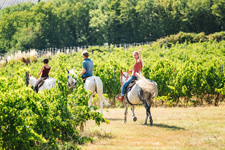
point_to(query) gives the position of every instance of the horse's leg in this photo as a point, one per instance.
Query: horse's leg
(101, 105)
(150, 116)
(134, 117)
(142, 97)
(147, 114)
(90, 101)
(146, 118)
(125, 112)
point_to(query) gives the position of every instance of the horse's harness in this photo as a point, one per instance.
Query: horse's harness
(72, 83)
(129, 87)
(84, 79)
(125, 77)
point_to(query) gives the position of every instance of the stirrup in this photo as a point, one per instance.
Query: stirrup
(119, 97)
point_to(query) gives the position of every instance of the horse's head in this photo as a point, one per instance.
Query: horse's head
(27, 78)
(30, 80)
(124, 76)
(71, 82)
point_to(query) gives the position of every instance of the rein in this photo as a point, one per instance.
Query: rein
(127, 75)
(121, 76)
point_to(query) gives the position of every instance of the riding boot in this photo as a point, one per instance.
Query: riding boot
(36, 89)
(120, 98)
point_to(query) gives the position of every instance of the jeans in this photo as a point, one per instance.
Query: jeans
(126, 84)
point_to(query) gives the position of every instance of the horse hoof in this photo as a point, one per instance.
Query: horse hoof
(124, 122)
(134, 119)
(144, 123)
(151, 123)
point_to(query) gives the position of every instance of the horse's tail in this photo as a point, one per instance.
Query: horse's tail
(147, 86)
(99, 91)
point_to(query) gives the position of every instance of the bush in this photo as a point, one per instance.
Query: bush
(48, 119)
(183, 37)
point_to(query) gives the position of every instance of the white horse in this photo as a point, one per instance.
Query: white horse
(48, 84)
(143, 91)
(94, 84)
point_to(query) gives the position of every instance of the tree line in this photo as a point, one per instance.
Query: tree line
(62, 23)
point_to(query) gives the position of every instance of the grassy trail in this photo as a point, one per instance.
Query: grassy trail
(174, 128)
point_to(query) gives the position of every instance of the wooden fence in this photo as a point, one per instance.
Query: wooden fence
(66, 50)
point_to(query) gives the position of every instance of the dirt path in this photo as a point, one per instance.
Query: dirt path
(174, 128)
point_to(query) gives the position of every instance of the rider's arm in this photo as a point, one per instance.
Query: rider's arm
(83, 71)
(83, 68)
(139, 52)
(42, 68)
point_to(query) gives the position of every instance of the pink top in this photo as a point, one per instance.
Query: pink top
(136, 68)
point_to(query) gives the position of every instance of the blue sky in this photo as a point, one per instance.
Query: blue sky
(6, 3)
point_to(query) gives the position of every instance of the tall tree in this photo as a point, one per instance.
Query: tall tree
(129, 22)
(150, 26)
(198, 17)
(218, 10)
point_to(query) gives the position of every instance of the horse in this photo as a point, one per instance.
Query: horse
(144, 91)
(48, 84)
(92, 83)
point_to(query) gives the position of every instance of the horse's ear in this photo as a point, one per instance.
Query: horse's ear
(121, 71)
(67, 70)
(30, 75)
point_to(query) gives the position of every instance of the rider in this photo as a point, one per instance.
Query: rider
(87, 64)
(136, 69)
(44, 74)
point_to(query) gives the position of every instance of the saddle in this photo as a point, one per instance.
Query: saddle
(84, 79)
(130, 85)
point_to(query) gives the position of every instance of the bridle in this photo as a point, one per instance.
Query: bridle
(123, 75)
(71, 81)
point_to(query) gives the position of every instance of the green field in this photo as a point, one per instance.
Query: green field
(174, 128)
(189, 74)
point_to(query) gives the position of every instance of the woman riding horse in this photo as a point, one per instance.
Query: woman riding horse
(136, 69)
(44, 74)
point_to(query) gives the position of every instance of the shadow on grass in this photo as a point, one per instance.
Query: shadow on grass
(168, 127)
(114, 119)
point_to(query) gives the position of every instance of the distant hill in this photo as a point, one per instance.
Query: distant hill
(7, 3)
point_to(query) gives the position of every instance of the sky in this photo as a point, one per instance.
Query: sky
(6, 3)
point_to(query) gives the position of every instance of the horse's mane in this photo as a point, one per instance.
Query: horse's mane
(146, 85)
(32, 80)
(72, 71)
(31, 77)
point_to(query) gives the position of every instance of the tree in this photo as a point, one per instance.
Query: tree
(150, 25)
(198, 17)
(218, 9)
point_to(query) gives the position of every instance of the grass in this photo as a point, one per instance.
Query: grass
(173, 128)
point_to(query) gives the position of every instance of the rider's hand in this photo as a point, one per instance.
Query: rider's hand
(140, 49)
